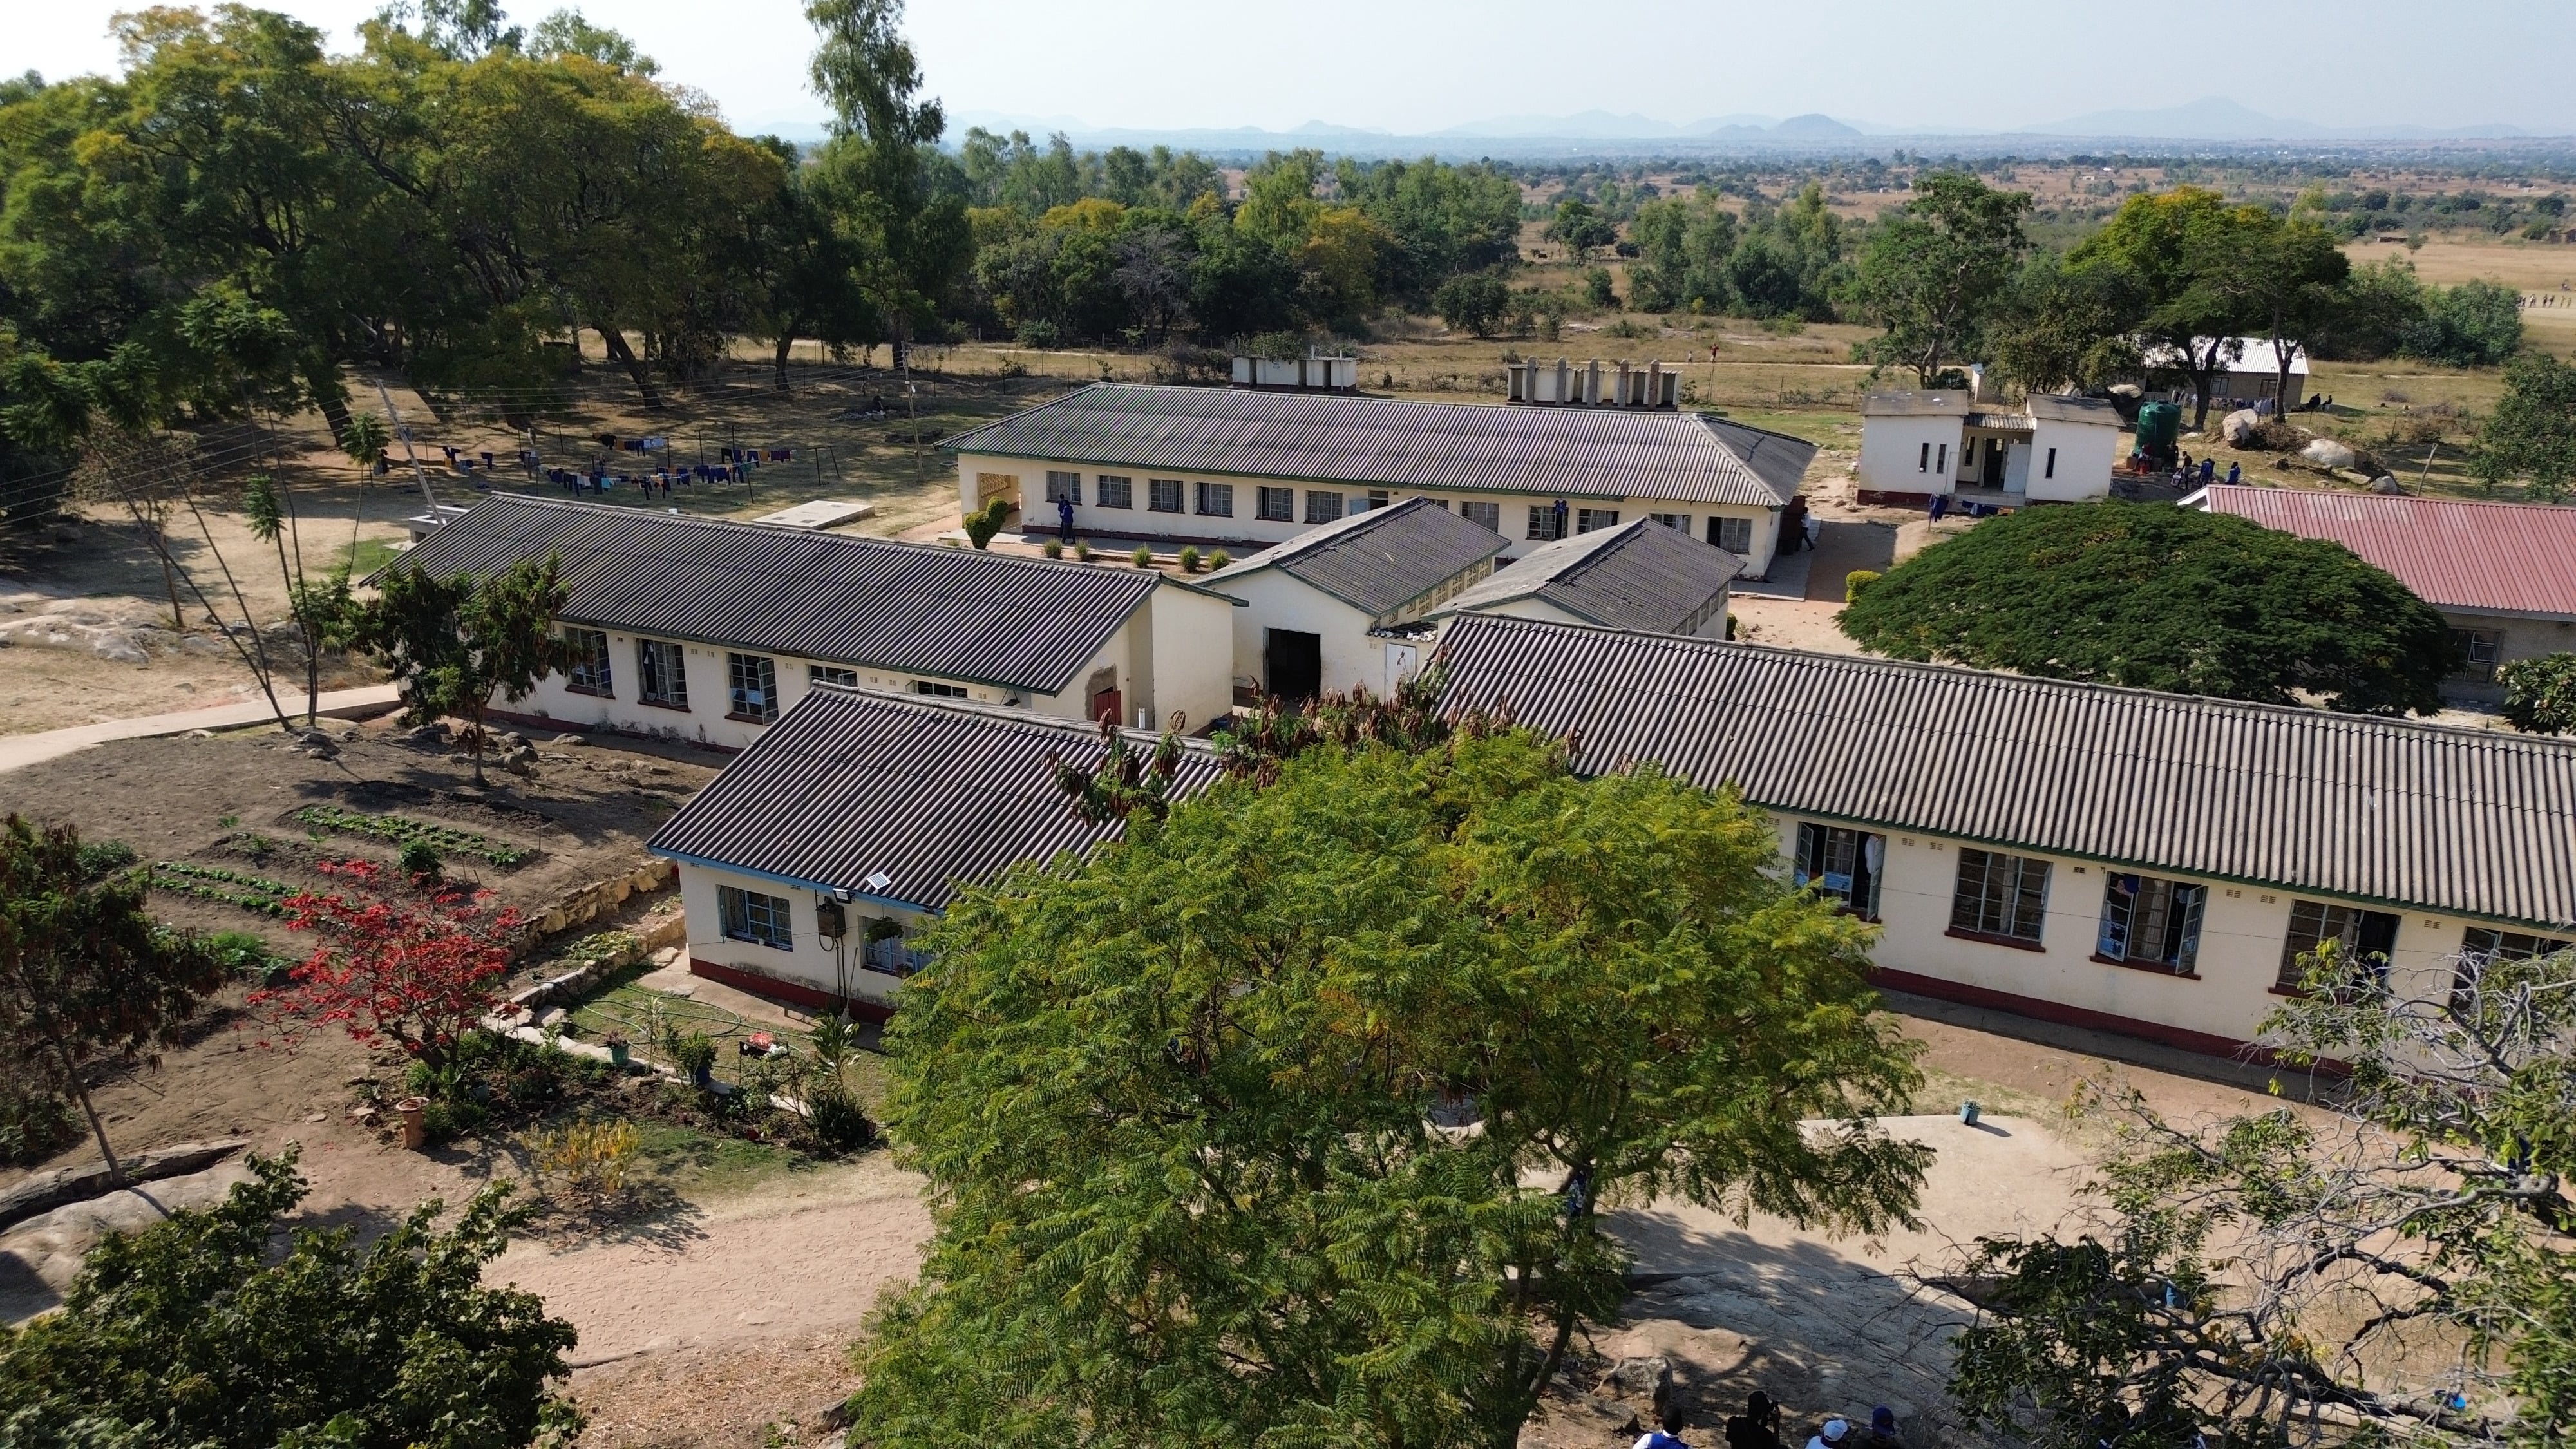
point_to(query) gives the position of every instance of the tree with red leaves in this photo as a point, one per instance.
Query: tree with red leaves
(418, 974)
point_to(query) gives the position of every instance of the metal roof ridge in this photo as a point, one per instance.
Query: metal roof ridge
(872, 540)
(998, 714)
(2394, 500)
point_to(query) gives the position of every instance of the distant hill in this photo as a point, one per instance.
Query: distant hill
(2216, 118)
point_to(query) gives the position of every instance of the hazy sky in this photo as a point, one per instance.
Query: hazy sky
(1418, 65)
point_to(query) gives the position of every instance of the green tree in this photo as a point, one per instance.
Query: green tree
(1932, 273)
(453, 641)
(2282, 279)
(1683, 247)
(2281, 1279)
(566, 33)
(2162, 240)
(2157, 597)
(1580, 229)
(1189, 1108)
(2540, 694)
(195, 1331)
(1472, 303)
(2531, 435)
(2474, 324)
(2067, 327)
(87, 978)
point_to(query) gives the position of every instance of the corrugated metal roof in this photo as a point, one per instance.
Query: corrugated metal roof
(1379, 560)
(854, 782)
(1639, 575)
(954, 613)
(2471, 822)
(1401, 443)
(2243, 354)
(2508, 558)
(1929, 403)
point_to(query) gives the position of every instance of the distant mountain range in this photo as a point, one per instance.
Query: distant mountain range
(2210, 119)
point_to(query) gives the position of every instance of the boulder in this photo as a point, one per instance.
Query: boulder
(2386, 484)
(2327, 453)
(570, 740)
(2239, 426)
(42, 1192)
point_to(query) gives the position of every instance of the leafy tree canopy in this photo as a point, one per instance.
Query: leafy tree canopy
(2540, 694)
(2532, 433)
(1932, 273)
(191, 1332)
(2158, 597)
(1194, 1110)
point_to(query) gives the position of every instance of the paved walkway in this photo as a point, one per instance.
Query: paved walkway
(18, 751)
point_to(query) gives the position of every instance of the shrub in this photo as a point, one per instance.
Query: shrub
(837, 1118)
(1142, 558)
(694, 1053)
(105, 857)
(1052, 548)
(244, 953)
(987, 521)
(34, 1125)
(2540, 694)
(1190, 559)
(419, 860)
(588, 1162)
(1855, 582)
(1219, 559)
(1037, 332)
(1082, 549)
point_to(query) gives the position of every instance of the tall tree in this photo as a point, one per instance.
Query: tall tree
(2163, 241)
(2067, 326)
(2531, 435)
(2283, 279)
(802, 271)
(913, 238)
(452, 642)
(1190, 1109)
(2156, 597)
(1932, 273)
(201, 1330)
(86, 976)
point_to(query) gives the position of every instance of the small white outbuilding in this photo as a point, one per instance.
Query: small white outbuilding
(1917, 446)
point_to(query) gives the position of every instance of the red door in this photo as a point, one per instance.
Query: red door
(1109, 705)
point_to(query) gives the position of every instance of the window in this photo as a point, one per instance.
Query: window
(1547, 523)
(1679, 522)
(1276, 505)
(885, 951)
(1163, 495)
(1489, 515)
(1945, 459)
(2488, 945)
(753, 679)
(589, 662)
(2367, 936)
(1063, 487)
(1735, 535)
(2000, 897)
(1215, 500)
(2477, 654)
(830, 674)
(2151, 922)
(1116, 491)
(759, 919)
(1923, 464)
(1588, 519)
(1374, 498)
(937, 690)
(663, 676)
(2050, 471)
(1844, 864)
(1322, 506)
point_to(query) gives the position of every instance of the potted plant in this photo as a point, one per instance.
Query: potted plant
(696, 1054)
(618, 1049)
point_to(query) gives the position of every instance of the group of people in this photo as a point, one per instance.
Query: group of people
(2185, 470)
(1758, 1427)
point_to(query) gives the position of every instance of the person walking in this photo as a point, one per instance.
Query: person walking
(1814, 529)
(2208, 471)
(1669, 1435)
(1833, 1435)
(2234, 473)
(1758, 1427)
(1882, 1430)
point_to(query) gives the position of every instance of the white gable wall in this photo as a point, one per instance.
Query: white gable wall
(1892, 453)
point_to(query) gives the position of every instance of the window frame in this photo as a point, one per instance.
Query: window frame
(940, 689)
(764, 669)
(1272, 504)
(1204, 491)
(675, 693)
(1157, 489)
(1489, 515)
(1546, 525)
(1923, 461)
(756, 918)
(2178, 909)
(1324, 505)
(593, 674)
(2481, 650)
(1678, 522)
(2005, 900)
(1593, 520)
(2351, 923)
(829, 674)
(2050, 471)
(1063, 487)
(1114, 490)
(1819, 845)
(1721, 525)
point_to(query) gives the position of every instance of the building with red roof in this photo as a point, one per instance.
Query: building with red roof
(2504, 574)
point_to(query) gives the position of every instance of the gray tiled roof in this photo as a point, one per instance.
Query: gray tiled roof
(854, 782)
(1400, 443)
(1378, 560)
(955, 613)
(1639, 575)
(2466, 821)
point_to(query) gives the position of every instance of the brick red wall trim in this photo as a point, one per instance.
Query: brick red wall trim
(576, 727)
(2064, 1015)
(805, 996)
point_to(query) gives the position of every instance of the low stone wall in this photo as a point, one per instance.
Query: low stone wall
(584, 904)
(42, 1192)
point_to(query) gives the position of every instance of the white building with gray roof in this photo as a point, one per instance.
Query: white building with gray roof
(1170, 465)
(1639, 576)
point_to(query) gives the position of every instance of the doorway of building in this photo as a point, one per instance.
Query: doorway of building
(1994, 475)
(1294, 664)
(1106, 702)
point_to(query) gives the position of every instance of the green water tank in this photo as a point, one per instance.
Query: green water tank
(2159, 427)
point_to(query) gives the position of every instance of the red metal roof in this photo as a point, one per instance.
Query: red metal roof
(2505, 558)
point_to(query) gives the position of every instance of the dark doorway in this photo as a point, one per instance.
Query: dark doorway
(1294, 663)
(1994, 476)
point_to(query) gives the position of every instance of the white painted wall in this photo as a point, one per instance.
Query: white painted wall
(1891, 447)
(1188, 655)
(809, 964)
(2242, 932)
(1277, 601)
(2086, 453)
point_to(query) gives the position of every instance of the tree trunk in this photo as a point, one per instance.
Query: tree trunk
(623, 355)
(80, 1091)
(322, 379)
(784, 343)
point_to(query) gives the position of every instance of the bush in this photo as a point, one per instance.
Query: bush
(836, 1117)
(987, 521)
(1856, 582)
(419, 860)
(1082, 549)
(1190, 558)
(588, 1162)
(1142, 558)
(1597, 289)
(694, 1053)
(34, 1125)
(1219, 559)
(2540, 694)
(105, 857)
(1037, 332)
(1472, 302)
(1052, 548)
(242, 952)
